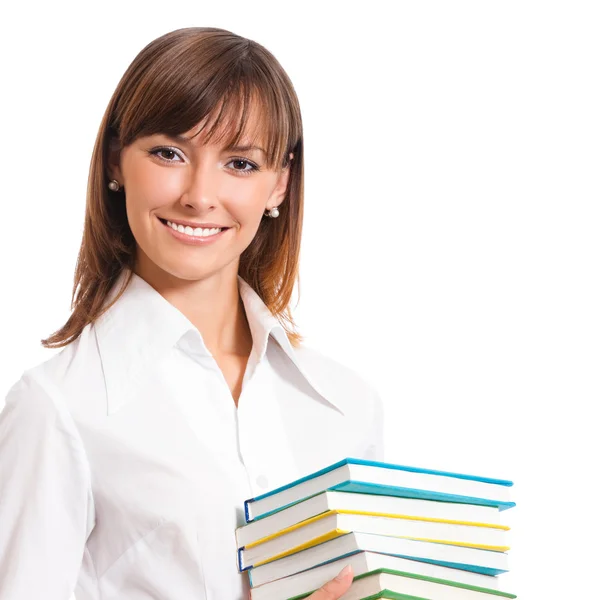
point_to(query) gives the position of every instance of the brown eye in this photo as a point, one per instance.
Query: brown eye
(243, 166)
(166, 154)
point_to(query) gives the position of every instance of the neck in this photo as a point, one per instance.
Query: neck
(213, 305)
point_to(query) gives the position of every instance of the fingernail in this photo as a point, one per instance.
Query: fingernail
(344, 573)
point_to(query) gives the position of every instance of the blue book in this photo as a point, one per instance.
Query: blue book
(384, 479)
(352, 546)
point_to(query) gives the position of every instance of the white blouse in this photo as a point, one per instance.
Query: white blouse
(124, 462)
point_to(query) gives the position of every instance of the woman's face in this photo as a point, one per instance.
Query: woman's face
(221, 194)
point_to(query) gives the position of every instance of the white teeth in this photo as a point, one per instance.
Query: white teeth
(198, 232)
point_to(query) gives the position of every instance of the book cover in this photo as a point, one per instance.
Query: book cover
(371, 488)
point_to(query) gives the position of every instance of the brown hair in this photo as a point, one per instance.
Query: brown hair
(172, 85)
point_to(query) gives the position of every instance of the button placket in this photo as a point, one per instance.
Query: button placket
(266, 453)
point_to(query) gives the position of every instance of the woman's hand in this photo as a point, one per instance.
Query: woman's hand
(335, 588)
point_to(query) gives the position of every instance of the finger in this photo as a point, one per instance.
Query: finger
(335, 588)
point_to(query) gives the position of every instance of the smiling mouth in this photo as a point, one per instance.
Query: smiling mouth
(197, 231)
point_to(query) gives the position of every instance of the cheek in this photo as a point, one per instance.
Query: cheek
(245, 203)
(153, 188)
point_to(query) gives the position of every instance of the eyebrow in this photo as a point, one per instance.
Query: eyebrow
(243, 148)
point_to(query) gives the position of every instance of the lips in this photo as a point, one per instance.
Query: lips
(207, 237)
(193, 225)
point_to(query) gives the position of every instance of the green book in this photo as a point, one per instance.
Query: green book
(399, 585)
(389, 595)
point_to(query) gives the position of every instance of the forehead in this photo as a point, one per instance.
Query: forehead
(231, 124)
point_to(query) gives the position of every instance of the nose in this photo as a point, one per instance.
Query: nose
(200, 189)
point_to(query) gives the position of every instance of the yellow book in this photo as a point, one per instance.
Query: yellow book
(367, 504)
(335, 523)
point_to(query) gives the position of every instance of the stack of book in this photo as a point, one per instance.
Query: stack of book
(408, 533)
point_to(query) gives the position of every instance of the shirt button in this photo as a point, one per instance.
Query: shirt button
(262, 481)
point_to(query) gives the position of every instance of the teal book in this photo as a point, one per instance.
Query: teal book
(385, 479)
(304, 581)
(382, 551)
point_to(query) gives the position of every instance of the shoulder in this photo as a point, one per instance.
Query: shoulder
(28, 402)
(56, 385)
(329, 366)
(348, 388)
(35, 411)
(357, 398)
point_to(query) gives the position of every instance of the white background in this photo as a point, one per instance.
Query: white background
(451, 247)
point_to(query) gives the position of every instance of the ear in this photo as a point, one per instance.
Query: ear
(278, 193)
(113, 165)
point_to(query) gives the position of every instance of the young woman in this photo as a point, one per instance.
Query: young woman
(182, 387)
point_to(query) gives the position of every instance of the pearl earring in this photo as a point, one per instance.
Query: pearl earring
(113, 185)
(273, 213)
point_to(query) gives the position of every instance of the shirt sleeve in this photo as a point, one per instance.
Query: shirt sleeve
(46, 505)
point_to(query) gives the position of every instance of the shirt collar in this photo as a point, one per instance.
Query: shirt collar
(143, 325)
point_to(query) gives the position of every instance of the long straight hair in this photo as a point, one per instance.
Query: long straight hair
(174, 83)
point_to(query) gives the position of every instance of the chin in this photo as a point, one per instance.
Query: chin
(194, 272)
